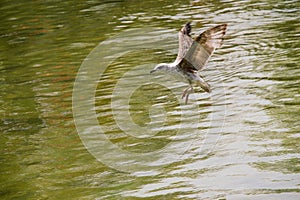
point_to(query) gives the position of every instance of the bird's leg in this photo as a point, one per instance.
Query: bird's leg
(187, 92)
(191, 90)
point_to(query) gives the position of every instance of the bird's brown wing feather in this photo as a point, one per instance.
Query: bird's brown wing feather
(185, 41)
(202, 48)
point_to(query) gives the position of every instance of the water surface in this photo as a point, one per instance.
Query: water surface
(239, 142)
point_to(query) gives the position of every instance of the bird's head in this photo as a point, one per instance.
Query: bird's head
(160, 67)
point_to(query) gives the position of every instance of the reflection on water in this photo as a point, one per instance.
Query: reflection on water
(253, 109)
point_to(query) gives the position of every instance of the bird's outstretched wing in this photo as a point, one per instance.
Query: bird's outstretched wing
(185, 41)
(202, 48)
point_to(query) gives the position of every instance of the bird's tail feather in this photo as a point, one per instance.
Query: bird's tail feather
(205, 86)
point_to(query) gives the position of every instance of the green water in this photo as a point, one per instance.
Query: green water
(239, 142)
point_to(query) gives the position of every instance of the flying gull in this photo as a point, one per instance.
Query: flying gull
(193, 56)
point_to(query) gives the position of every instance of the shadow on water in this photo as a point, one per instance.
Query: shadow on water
(240, 142)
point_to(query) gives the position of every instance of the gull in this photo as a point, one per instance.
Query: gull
(193, 54)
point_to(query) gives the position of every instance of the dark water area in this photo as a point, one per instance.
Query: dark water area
(239, 142)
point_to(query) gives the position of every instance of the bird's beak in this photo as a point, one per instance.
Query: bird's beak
(153, 70)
